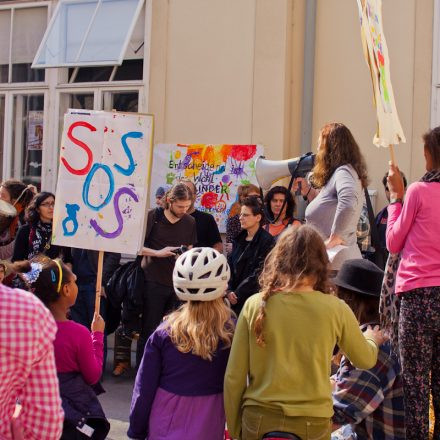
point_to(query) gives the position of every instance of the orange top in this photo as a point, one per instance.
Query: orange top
(275, 230)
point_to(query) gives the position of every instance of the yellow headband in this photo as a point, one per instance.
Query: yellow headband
(60, 279)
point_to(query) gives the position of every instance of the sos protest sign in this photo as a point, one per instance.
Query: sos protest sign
(216, 170)
(101, 193)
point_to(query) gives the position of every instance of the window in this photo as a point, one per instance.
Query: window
(27, 26)
(128, 71)
(121, 101)
(27, 137)
(5, 25)
(88, 33)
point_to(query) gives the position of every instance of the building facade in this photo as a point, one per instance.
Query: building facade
(270, 72)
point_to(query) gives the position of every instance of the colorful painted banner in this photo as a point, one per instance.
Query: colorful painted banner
(389, 131)
(216, 170)
(101, 196)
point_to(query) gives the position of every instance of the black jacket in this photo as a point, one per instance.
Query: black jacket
(81, 406)
(246, 262)
(22, 245)
(111, 263)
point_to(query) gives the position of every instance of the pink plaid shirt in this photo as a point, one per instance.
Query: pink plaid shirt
(27, 367)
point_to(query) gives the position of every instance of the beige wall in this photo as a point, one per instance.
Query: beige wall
(343, 87)
(220, 72)
(231, 71)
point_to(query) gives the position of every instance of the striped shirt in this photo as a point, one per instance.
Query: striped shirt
(369, 403)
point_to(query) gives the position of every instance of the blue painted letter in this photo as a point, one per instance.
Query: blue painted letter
(71, 217)
(131, 166)
(86, 188)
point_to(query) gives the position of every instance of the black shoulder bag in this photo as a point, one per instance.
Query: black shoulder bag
(377, 257)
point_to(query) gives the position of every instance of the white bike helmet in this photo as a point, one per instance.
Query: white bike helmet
(201, 274)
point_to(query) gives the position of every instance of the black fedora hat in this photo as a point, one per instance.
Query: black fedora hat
(361, 276)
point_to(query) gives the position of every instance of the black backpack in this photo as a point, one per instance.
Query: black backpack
(125, 288)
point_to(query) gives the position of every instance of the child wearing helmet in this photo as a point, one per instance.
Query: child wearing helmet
(178, 393)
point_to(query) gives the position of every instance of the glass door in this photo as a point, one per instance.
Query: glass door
(27, 137)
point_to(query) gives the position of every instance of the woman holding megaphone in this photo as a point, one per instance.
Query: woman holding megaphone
(335, 191)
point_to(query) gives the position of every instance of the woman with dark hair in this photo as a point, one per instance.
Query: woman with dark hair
(336, 191)
(249, 251)
(280, 206)
(35, 236)
(233, 227)
(277, 376)
(413, 231)
(18, 195)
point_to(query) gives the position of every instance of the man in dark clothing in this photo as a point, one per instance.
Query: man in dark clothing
(208, 234)
(168, 229)
(84, 266)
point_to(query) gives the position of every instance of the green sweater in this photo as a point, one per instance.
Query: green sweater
(292, 371)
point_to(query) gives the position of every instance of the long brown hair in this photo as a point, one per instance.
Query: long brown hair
(299, 253)
(32, 215)
(365, 307)
(338, 147)
(197, 327)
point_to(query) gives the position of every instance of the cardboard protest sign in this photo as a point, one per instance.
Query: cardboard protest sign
(101, 193)
(216, 170)
(389, 131)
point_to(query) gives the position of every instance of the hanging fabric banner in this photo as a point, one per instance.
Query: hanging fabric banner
(216, 170)
(389, 130)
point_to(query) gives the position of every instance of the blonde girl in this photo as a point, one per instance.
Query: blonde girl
(178, 393)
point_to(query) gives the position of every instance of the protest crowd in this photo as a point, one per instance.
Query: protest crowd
(293, 328)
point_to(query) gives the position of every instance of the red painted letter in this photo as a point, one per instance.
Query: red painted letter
(84, 146)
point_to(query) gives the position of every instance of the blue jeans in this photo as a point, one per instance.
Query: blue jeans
(84, 308)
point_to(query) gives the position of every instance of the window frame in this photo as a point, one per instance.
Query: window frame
(13, 7)
(89, 63)
(9, 148)
(56, 82)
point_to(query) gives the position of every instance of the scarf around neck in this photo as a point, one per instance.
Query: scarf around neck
(39, 238)
(431, 176)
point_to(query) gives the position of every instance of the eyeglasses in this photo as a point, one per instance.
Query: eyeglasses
(48, 205)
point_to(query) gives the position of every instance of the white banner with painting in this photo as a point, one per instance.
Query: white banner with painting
(216, 170)
(389, 130)
(101, 196)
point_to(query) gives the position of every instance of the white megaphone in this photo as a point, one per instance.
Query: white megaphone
(269, 171)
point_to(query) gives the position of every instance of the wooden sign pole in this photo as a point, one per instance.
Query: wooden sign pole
(393, 157)
(99, 282)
